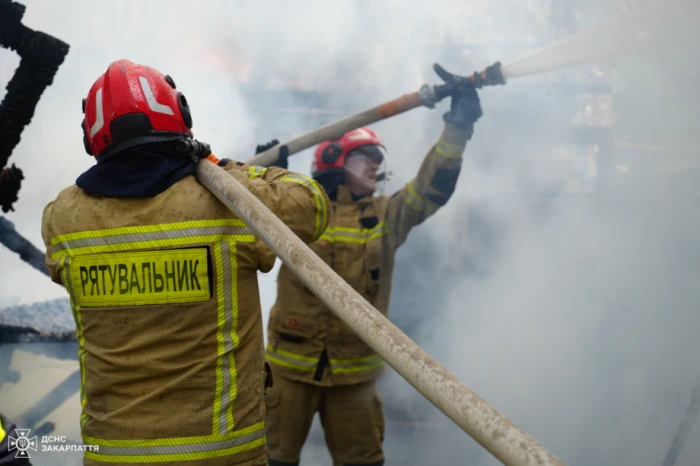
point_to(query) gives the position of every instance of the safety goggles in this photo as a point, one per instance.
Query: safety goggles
(368, 164)
(376, 154)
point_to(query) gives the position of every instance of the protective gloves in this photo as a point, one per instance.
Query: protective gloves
(465, 108)
(283, 153)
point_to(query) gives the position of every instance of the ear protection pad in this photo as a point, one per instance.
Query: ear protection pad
(184, 107)
(185, 110)
(331, 153)
(85, 139)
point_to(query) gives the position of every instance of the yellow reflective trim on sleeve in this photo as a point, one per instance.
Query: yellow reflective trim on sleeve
(291, 360)
(2, 431)
(140, 278)
(412, 204)
(448, 149)
(255, 171)
(413, 200)
(176, 449)
(418, 203)
(321, 204)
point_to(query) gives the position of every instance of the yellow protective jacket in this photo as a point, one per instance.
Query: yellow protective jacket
(306, 341)
(165, 296)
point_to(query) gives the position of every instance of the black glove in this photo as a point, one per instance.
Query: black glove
(465, 108)
(10, 184)
(283, 153)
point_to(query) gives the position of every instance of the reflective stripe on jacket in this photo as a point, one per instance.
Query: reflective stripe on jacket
(165, 297)
(307, 342)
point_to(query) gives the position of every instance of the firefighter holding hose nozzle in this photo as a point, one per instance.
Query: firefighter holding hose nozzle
(319, 364)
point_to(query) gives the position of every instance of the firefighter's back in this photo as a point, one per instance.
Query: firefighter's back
(163, 281)
(165, 297)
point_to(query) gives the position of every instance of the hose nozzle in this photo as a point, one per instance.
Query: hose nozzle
(491, 76)
(430, 95)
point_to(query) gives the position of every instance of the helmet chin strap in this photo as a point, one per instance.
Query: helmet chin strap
(382, 180)
(385, 176)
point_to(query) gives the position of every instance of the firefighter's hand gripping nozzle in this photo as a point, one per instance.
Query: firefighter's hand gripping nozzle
(432, 94)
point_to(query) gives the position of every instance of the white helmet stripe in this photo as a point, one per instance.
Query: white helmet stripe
(151, 99)
(100, 117)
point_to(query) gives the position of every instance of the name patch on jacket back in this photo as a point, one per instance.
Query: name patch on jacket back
(140, 278)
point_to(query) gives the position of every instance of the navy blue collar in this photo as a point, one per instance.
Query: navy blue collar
(144, 171)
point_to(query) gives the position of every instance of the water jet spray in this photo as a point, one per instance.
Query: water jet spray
(633, 31)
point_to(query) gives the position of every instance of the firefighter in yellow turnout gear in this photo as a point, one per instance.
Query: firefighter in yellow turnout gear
(319, 364)
(162, 280)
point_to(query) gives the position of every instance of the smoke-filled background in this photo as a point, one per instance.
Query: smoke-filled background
(559, 282)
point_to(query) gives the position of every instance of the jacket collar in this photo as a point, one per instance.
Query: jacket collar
(344, 196)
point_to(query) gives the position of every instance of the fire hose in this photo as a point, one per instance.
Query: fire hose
(689, 419)
(427, 96)
(656, 26)
(475, 416)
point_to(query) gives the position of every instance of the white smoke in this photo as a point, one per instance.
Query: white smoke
(575, 316)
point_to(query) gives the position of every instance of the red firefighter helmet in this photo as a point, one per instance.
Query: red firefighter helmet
(330, 155)
(132, 104)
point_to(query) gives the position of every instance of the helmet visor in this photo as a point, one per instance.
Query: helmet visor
(365, 169)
